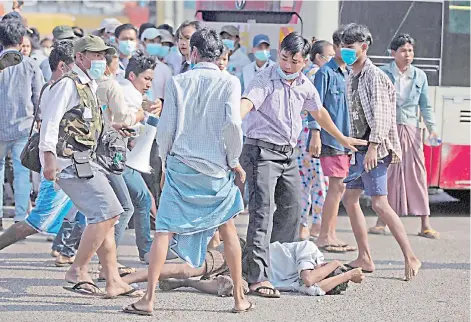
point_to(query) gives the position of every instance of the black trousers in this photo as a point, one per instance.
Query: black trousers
(274, 205)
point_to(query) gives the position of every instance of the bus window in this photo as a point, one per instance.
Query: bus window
(455, 60)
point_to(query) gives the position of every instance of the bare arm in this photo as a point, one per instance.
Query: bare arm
(311, 277)
(323, 118)
(245, 107)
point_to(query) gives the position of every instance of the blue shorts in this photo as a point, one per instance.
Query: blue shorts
(375, 182)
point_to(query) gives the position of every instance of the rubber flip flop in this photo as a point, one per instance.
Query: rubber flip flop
(430, 233)
(333, 249)
(131, 293)
(377, 230)
(349, 248)
(349, 267)
(257, 292)
(251, 307)
(135, 310)
(77, 288)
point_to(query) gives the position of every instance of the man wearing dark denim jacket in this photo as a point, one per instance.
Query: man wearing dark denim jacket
(330, 82)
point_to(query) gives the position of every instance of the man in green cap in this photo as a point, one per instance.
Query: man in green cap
(59, 33)
(71, 126)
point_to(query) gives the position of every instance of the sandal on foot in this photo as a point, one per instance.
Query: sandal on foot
(131, 293)
(350, 267)
(348, 248)
(273, 295)
(377, 230)
(430, 233)
(251, 307)
(132, 309)
(77, 288)
(332, 249)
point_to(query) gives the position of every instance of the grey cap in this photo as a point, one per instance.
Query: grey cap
(231, 30)
(93, 44)
(63, 32)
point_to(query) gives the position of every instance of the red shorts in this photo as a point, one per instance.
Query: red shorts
(335, 166)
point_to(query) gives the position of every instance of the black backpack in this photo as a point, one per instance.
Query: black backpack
(111, 150)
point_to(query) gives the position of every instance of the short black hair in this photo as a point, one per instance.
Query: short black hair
(195, 24)
(62, 50)
(401, 40)
(109, 58)
(208, 43)
(121, 28)
(11, 33)
(354, 33)
(295, 43)
(337, 36)
(139, 63)
(145, 26)
(318, 48)
(167, 27)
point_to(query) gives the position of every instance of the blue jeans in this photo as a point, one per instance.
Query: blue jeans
(120, 189)
(68, 238)
(142, 202)
(21, 182)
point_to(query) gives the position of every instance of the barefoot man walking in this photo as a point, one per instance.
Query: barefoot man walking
(200, 141)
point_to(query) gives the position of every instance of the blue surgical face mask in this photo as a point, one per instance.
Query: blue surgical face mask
(126, 47)
(97, 69)
(112, 40)
(284, 76)
(349, 56)
(230, 44)
(262, 55)
(157, 50)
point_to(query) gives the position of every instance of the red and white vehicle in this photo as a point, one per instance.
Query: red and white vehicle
(442, 33)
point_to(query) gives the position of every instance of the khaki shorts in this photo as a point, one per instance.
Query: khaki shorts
(92, 197)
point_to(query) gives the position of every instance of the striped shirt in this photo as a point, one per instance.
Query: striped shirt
(200, 123)
(20, 87)
(378, 100)
(276, 115)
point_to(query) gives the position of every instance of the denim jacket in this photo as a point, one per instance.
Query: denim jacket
(330, 82)
(407, 114)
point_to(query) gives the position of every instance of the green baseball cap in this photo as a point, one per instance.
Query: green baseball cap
(93, 44)
(63, 32)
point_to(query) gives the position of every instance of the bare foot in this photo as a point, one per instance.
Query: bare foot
(242, 305)
(117, 288)
(356, 275)
(75, 275)
(303, 232)
(412, 267)
(364, 264)
(142, 305)
(270, 291)
(170, 284)
(322, 242)
(315, 230)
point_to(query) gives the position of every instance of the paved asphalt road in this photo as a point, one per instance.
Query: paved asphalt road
(31, 286)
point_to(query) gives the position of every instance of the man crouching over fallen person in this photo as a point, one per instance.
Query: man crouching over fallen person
(297, 267)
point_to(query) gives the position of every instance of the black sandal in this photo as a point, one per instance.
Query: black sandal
(274, 295)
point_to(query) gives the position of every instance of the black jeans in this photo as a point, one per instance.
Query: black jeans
(274, 205)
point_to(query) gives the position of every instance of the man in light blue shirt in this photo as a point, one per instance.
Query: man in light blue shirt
(20, 87)
(200, 140)
(407, 181)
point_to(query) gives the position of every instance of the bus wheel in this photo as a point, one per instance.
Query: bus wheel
(462, 195)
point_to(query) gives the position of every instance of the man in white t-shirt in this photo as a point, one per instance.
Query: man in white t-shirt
(157, 43)
(261, 52)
